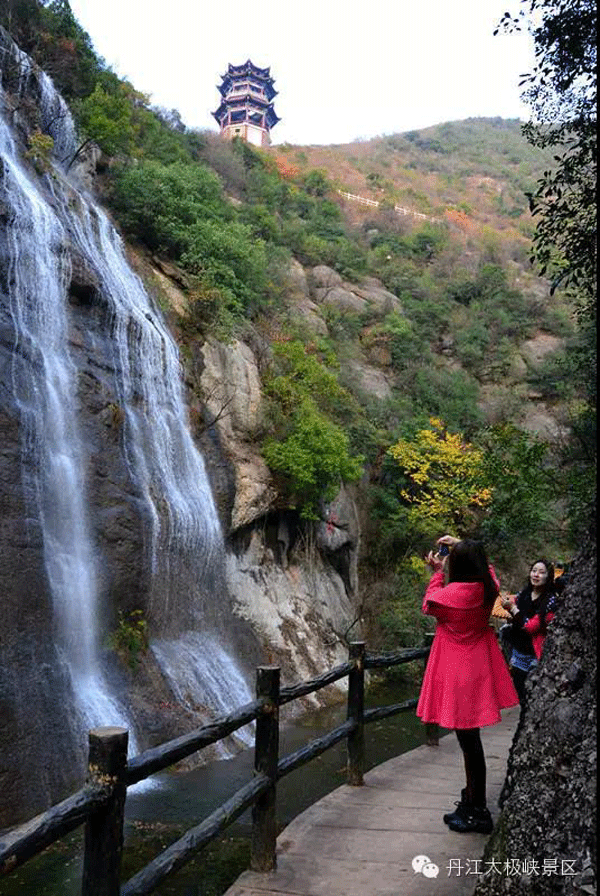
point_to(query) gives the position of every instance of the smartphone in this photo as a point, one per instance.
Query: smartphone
(443, 550)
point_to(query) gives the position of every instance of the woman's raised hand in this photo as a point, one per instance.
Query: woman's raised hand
(435, 561)
(448, 539)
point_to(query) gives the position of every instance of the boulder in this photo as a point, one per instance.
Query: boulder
(304, 313)
(370, 380)
(328, 288)
(231, 385)
(296, 281)
(343, 299)
(542, 344)
(308, 317)
(323, 278)
(300, 613)
(381, 299)
(540, 420)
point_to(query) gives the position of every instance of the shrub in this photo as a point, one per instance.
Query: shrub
(309, 449)
(402, 621)
(156, 203)
(313, 458)
(451, 394)
(40, 150)
(315, 183)
(130, 638)
(226, 257)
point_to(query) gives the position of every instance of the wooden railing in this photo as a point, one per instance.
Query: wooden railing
(100, 804)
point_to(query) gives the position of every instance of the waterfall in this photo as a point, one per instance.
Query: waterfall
(48, 220)
(185, 548)
(43, 386)
(161, 456)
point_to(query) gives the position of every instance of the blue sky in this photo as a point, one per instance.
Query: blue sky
(344, 70)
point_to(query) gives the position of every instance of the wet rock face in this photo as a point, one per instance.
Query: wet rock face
(32, 675)
(116, 507)
(549, 797)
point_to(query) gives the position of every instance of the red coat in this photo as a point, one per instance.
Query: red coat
(467, 681)
(538, 634)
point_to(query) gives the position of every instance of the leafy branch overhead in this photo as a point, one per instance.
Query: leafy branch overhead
(561, 91)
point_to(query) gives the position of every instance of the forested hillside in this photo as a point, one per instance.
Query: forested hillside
(483, 429)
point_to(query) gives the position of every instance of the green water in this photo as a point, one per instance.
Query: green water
(157, 817)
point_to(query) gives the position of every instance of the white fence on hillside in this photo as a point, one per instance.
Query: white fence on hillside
(373, 203)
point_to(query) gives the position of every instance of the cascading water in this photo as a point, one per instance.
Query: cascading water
(185, 549)
(49, 220)
(43, 384)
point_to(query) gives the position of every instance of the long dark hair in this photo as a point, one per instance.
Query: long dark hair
(547, 590)
(468, 563)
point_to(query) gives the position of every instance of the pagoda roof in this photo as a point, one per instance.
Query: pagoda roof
(248, 67)
(252, 99)
(247, 70)
(228, 83)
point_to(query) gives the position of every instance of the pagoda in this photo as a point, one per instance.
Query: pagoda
(246, 109)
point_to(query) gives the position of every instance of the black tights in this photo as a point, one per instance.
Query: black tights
(519, 678)
(470, 743)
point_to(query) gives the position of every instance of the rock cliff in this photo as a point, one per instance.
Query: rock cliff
(547, 828)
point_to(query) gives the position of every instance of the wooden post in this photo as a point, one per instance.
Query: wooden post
(107, 764)
(356, 706)
(432, 729)
(263, 855)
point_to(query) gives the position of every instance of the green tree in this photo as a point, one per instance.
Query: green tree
(562, 93)
(157, 139)
(226, 257)
(22, 20)
(64, 50)
(313, 457)
(522, 516)
(156, 202)
(107, 119)
(309, 449)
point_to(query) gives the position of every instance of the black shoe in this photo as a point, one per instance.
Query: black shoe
(473, 819)
(461, 806)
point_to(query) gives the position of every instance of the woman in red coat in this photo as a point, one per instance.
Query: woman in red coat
(466, 682)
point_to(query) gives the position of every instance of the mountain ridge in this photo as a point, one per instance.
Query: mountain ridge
(461, 154)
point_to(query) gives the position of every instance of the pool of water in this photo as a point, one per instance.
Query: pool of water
(158, 815)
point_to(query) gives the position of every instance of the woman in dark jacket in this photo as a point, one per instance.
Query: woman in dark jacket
(530, 613)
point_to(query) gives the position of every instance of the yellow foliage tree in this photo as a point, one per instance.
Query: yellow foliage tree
(445, 477)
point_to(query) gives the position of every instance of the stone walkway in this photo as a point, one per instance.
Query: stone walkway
(361, 841)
